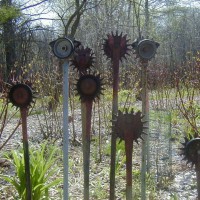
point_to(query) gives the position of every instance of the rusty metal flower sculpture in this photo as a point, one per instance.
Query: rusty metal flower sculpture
(116, 42)
(129, 127)
(83, 59)
(21, 95)
(191, 153)
(89, 87)
(115, 48)
(190, 149)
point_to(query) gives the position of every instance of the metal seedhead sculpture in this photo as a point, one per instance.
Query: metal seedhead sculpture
(129, 127)
(89, 88)
(116, 42)
(191, 147)
(21, 96)
(191, 153)
(115, 48)
(83, 59)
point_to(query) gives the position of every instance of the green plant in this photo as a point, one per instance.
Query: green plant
(98, 192)
(42, 168)
(174, 197)
(120, 155)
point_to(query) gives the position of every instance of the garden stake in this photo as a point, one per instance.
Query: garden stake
(20, 95)
(115, 48)
(191, 153)
(129, 127)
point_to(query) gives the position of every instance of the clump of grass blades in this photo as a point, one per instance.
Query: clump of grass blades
(43, 172)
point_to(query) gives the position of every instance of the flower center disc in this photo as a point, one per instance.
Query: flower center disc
(88, 86)
(20, 95)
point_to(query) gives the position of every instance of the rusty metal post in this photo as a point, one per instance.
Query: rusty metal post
(115, 47)
(114, 113)
(86, 114)
(145, 112)
(129, 161)
(23, 112)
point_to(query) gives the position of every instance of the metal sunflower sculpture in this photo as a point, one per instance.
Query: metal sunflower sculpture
(83, 59)
(129, 127)
(89, 87)
(115, 48)
(21, 95)
(116, 42)
(191, 153)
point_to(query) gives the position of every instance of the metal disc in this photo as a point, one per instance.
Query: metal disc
(63, 48)
(146, 49)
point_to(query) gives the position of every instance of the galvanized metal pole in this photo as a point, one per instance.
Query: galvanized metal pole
(65, 129)
(146, 99)
(145, 112)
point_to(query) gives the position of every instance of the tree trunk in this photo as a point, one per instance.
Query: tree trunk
(9, 42)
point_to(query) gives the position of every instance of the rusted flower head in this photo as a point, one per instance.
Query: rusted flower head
(129, 126)
(89, 87)
(83, 59)
(114, 42)
(20, 94)
(191, 149)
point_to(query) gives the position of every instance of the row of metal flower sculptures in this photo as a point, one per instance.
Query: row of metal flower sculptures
(126, 125)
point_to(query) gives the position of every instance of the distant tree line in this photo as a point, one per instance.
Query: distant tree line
(24, 39)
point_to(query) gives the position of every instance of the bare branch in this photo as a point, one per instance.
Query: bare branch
(33, 5)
